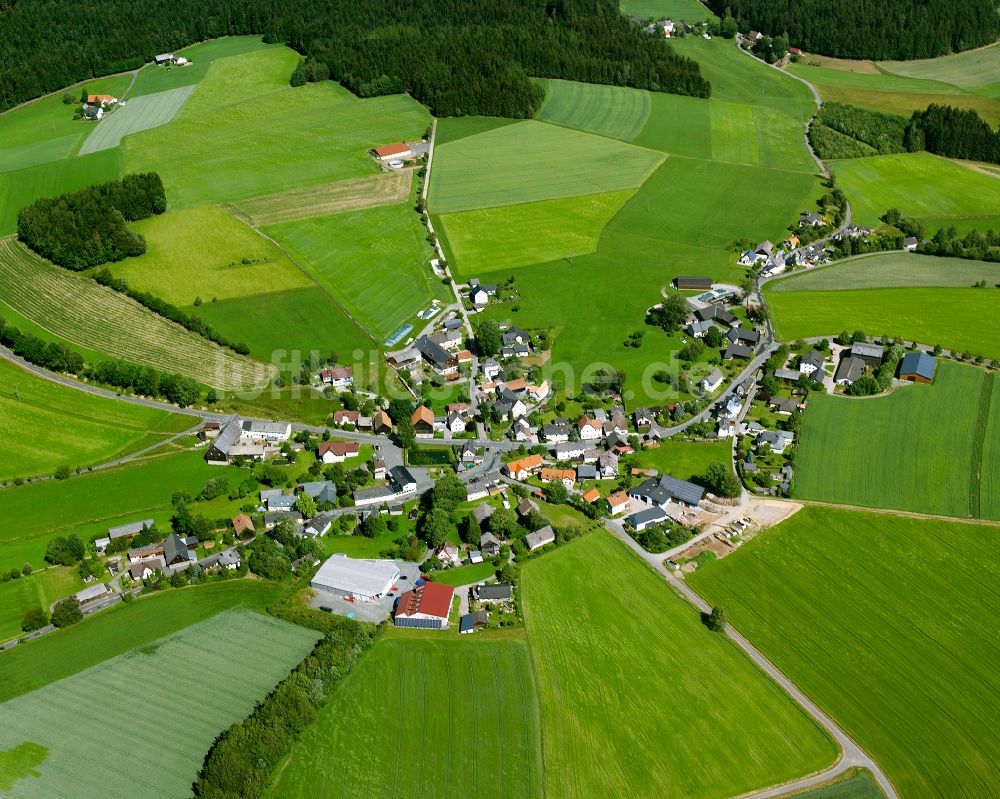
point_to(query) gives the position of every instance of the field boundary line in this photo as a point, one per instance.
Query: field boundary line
(978, 444)
(912, 514)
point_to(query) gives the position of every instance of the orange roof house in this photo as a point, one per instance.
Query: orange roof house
(242, 524)
(423, 420)
(524, 466)
(101, 99)
(381, 423)
(592, 495)
(397, 150)
(566, 475)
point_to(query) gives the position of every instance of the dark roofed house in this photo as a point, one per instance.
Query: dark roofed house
(402, 479)
(869, 353)
(783, 405)
(665, 489)
(489, 544)
(848, 370)
(646, 518)
(917, 367)
(473, 621)
(692, 283)
(437, 356)
(514, 335)
(482, 512)
(744, 335)
(716, 313)
(540, 538)
(499, 592)
(737, 351)
(176, 552)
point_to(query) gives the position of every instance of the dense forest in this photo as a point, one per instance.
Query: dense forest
(955, 133)
(879, 29)
(456, 56)
(86, 228)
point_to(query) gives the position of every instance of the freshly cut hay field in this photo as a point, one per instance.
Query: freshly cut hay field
(152, 79)
(909, 450)
(142, 113)
(246, 133)
(614, 111)
(961, 319)
(688, 10)
(373, 262)
(234, 658)
(457, 717)
(920, 185)
(39, 590)
(297, 319)
(45, 425)
(23, 187)
(970, 70)
(91, 503)
(507, 236)
(63, 303)
(455, 128)
(353, 194)
(627, 673)
(199, 252)
(893, 270)
(532, 161)
(888, 624)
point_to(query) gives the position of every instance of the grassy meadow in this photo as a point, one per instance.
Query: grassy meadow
(153, 79)
(458, 717)
(839, 601)
(510, 236)
(245, 132)
(454, 128)
(45, 425)
(930, 188)
(112, 632)
(617, 112)
(688, 10)
(235, 657)
(200, 252)
(91, 503)
(684, 459)
(892, 270)
(374, 262)
(908, 451)
(974, 70)
(62, 303)
(142, 113)
(38, 590)
(612, 703)
(551, 162)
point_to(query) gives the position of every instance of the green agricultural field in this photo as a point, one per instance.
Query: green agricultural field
(235, 658)
(200, 252)
(551, 162)
(684, 459)
(457, 717)
(865, 451)
(62, 303)
(40, 662)
(893, 270)
(962, 319)
(839, 601)
(920, 185)
(39, 590)
(45, 425)
(989, 470)
(856, 785)
(374, 262)
(229, 144)
(91, 503)
(508, 236)
(24, 186)
(612, 705)
(678, 125)
(142, 113)
(35, 153)
(455, 128)
(298, 319)
(975, 70)
(613, 111)
(690, 11)
(152, 79)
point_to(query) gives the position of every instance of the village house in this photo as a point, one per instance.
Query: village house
(848, 370)
(342, 418)
(556, 431)
(319, 525)
(777, 440)
(551, 474)
(448, 554)
(590, 429)
(242, 525)
(489, 545)
(646, 518)
(490, 368)
(871, 354)
(426, 607)
(540, 538)
(423, 422)
(493, 592)
(93, 113)
(339, 377)
(607, 465)
(618, 502)
(322, 491)
(440, 360)
(712, 380)
(381, 423)
(522, 468)
(337, 451)
(666, 489)
(812, 362)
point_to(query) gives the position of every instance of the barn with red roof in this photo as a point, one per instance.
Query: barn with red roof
(427, 606)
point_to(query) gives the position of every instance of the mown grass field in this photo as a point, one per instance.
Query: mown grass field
(199, 252)
(374, 262)
(91, 503)
(142, 113)
(962, 319)
(909, 450)
(38, 590)
(532, 161)
(920, 185)
(617, 112)
(235, 659)
(684, 459)
(687, 10)
(455, 128)
(613, 704)
(38, 663)
(893, 270)
(23, 186)
(508, 236)
(858, 784)
(989, 474)
(888, 624)
(975, 70)
(245, 133)
(62, 303)
(353, 194)
(457, 717)
(152, 79)
(45, 425)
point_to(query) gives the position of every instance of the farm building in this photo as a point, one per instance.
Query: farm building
(129, 530)
(381, 423)
(848, 370)
(163, 58)
(426, 606)
(365, 580)
(423, 421)
(666, 489)
(646, 518)
(93, 593)
(388, 152)
(540, 538)
(401, 478)
(917, 367)
(869, 353)
(693, 283)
